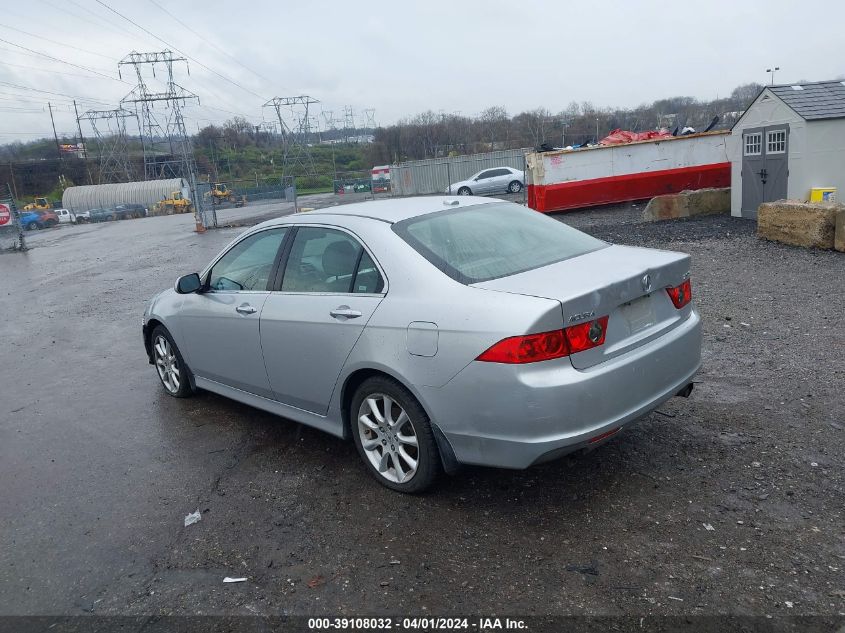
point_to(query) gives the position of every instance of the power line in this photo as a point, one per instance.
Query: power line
(52, 41)
(59, 94)
(193, 59)
(113, 25)
(61, 61)
(210, 43)
(43, 70)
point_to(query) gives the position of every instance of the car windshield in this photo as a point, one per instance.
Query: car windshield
(489, 241)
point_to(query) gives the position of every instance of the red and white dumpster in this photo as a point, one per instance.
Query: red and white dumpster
(590, 176)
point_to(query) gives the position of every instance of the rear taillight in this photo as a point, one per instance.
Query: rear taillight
(586, 335)
(527, 349)
(533, 348)
(681, 295)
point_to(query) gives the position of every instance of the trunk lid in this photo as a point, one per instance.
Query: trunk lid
(628, 284)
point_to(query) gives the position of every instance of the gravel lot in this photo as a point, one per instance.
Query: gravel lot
(729, 502)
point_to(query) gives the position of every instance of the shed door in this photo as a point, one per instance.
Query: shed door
(764, 166)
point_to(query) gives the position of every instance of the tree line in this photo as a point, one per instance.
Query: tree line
(434, 134)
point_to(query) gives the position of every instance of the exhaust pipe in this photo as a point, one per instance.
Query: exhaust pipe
(685, 391)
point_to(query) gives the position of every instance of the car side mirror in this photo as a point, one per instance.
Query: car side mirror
(187, 284)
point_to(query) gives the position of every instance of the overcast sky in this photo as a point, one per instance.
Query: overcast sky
(404, 57)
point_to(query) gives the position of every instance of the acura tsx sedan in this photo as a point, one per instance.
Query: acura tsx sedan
(433, 332)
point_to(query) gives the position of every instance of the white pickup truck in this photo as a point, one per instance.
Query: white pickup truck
(66, 216)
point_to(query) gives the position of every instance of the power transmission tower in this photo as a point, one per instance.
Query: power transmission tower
(370, 115)
(349, 121)
(297, 136)
(167, 147)
(315, 128)
(109, 128)
(168, 152)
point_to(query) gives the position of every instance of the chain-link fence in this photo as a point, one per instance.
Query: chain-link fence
(11, 229)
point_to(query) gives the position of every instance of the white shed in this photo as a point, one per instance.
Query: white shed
(789, 140)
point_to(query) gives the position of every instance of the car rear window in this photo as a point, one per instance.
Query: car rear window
(489, 241)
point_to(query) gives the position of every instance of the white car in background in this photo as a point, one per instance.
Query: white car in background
(487, 181)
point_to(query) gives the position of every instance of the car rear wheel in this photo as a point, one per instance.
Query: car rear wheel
(393, 436)
(172, 370)
(515, 186)
(464, 191)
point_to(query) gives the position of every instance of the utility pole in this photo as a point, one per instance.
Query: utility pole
(772, 71)
(55, 136)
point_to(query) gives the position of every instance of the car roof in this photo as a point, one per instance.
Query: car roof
(390, 211)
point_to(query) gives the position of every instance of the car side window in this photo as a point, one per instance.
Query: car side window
(248, 264)
(486, 174)
(327, 260)
(367, 277)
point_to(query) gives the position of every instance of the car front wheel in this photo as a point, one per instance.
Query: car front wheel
(464, 191)
(172, 370)
(393, 436)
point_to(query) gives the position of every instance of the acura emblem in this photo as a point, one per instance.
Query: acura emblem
(646, 280)
(595, 332)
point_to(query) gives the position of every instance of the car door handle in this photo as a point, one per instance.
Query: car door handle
(345, 311)
(245, 308)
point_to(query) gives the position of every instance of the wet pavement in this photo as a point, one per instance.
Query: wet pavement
(99, 467)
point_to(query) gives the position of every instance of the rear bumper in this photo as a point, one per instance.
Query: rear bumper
(513, 416)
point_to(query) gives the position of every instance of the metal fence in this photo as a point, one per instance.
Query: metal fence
(11, 233)
(436, 174)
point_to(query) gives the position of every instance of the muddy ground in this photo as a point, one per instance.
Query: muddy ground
(730, 501)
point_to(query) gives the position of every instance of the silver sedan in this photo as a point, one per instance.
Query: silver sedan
(487, 181)
(434, 332)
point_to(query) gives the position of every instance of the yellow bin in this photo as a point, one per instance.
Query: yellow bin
(823, 194)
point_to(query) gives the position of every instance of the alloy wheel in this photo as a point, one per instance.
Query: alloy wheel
(167, 364)
(388, 438)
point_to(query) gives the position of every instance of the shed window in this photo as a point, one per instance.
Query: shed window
(776, 142)
(753, 143)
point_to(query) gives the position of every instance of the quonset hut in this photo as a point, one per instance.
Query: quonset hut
(147, 193)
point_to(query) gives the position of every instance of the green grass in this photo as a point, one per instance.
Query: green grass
(305, 192)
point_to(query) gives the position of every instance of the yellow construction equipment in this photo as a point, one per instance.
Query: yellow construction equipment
(40, 204)
(176, 203)
(220, 192)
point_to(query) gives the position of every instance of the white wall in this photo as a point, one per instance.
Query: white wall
(763, 112)
(824, 164)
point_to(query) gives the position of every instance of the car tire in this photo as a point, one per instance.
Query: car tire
(464, 191)
(515, 187)
(166, 358)
(390, 438)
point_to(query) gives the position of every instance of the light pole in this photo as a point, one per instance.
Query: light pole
(772, 71)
